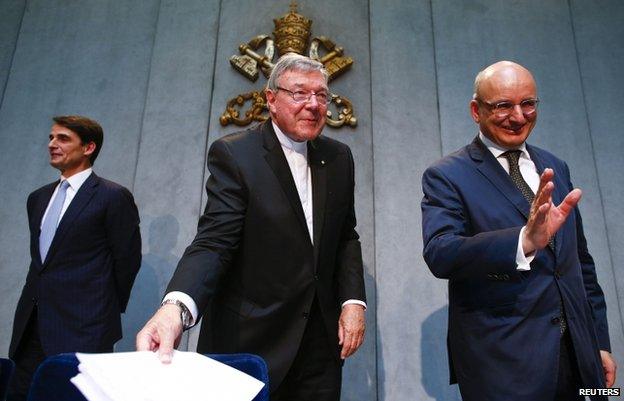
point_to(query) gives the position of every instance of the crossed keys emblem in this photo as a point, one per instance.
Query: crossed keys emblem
(291, 34)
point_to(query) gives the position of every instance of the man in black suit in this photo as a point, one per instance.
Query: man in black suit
(85, 248)
(276, 248)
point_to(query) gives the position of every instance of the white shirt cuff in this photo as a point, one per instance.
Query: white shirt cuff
(523, 262)
(187, 301)
(354, 301)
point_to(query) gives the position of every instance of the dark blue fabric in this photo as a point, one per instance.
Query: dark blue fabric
(51, 381)
(6, 369)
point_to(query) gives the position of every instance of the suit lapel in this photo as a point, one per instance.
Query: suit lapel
(496, 174)
(277, 161)
(81, 199)
(317, 158)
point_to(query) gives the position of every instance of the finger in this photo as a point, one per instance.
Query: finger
(545, 178)
(347, 347)
(144, 341)
(570, 201)
(165, 348)
(340, 333)
(544, 194)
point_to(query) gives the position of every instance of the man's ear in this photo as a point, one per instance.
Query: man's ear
(474, 111)
(270, 97)
(89, 148)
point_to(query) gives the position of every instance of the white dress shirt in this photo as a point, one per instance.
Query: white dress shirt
(75, 182)
(530, 175)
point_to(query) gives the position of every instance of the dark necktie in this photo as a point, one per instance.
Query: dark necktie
(512, 157)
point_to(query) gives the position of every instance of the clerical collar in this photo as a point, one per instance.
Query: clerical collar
(285, 141)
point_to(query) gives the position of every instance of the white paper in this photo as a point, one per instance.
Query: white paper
(140, 376)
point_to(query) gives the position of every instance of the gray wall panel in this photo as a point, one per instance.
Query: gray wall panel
(412, 304)
(169, 177)
(10, 22)
(599, 34)
(96, 66)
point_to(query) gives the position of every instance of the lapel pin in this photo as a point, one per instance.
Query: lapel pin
(323, 162)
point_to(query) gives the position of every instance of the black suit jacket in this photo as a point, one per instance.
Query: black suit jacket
(503, 332)
(253, 256)
(84, 284)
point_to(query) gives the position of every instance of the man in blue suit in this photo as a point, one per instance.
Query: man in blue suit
(527, 318)
(85, 248)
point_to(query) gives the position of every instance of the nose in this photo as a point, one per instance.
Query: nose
(517, 115)
(312, 102)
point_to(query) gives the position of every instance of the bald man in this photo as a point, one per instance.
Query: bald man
(527, 317)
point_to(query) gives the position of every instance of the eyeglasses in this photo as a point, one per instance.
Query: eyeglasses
(504, 109)
(304, 96)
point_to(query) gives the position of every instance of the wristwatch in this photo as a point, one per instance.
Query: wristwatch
(185, 314)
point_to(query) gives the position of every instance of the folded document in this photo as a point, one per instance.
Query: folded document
(140, 376)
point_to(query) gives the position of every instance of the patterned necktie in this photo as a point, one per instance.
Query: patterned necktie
(48, 228)
(512, 157)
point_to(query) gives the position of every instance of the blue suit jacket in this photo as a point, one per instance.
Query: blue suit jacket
(503, 333)
(84, 284)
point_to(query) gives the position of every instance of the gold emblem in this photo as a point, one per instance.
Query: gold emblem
(292, 33)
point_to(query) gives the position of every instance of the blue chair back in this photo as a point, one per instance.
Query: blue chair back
(51, 380)
(6, 370)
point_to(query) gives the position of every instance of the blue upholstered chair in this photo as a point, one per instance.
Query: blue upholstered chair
(51, 381)
(6, 369)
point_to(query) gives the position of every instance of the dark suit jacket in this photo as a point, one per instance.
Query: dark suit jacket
(503, 333)
(253, 256)
(84, 284)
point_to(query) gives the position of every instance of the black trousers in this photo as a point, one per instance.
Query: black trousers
(315, 374)
(28, 357)
(569, 377)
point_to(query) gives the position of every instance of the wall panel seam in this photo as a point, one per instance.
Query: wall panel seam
(212, 86)
(373, 235)
(146, 96)
(435, 77)
(10, 67)
(593, 153)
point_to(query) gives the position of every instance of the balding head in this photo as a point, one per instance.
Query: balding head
(501, 71)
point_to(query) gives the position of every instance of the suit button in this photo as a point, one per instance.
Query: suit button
(555, 320)
(305, 315)
(315, 277)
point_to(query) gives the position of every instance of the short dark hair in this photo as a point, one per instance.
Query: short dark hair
(87, 129)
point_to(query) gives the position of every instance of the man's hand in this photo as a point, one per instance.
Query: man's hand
(162, 332)
(351, 326)
(545, 219)
(609, 366)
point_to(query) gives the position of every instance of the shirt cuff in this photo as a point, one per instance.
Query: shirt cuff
(354, 301)
(187, 301)
(523, 262)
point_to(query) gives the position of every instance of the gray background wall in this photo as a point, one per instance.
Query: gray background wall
(155, 74)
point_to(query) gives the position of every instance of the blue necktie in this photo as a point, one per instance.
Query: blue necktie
(48, 229)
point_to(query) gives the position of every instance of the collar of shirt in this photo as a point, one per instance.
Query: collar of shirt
(76, 180)
(497, 150)
(286, 142)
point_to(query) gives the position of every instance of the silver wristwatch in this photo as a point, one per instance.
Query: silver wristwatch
(185, 314)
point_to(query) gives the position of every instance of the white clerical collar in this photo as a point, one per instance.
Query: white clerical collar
(498, 150)
(285, 141)
(76, 180)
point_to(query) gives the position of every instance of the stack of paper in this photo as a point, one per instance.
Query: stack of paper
(135, 376)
